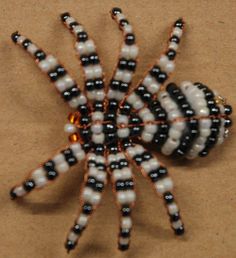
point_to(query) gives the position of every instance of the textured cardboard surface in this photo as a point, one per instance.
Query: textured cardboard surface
(33, 116)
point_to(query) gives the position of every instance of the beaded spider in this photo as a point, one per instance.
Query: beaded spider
(181, 121)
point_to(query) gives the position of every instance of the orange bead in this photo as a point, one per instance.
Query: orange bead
(73, 118)
(74, 137)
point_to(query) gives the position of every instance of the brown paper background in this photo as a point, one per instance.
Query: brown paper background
(33, 116)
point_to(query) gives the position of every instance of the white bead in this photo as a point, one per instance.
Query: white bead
(185, 85)
(124, 241)
(38, 173)
(96, 198)
(146, 166)
(97, 128)
(138, 104)
(150, 128)
(169, 146)
(97, 71)
(70, 20)
(97, 116)
(126, 222)
(133, 52)
(44, 66)
(175, 134)
(40, 181)
(174, 114)
(58, 159)
(139, 149)
(153, 88)
(101, 176)
(120, 16)
(32, 48)
(117, 174)
(154, 164)
(21, 39)
(74, 103)
(81, 48)
(90, 46)
(98, 138)
(173, 46)
(72, 237)
(130, 196)
(128, 29)
(80, 155)
(169, 67)
(172, 208)
(148, 80)
(125, 51)
(168, 183)
(119, 75)
(52, 61)
(177, 224)
(163, 61)
(70, 128)
(93, 171)
(148, 117)
(123, 132)
(78, 29)
(82, 220)
(82, 99)
(132, 98)
(147, 137)
(177, 32)
(204, 111)
(205, 123)
(62, 167)
(205, 132)
(87, 194)
(19, 191)
(89, 74)
(131, 151)
(122, 119)
(119, 95)
(127, 76)
(121, 197)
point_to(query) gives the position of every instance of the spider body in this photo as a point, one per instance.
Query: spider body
(108, 125)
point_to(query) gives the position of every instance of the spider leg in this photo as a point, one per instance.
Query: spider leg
(50, 170)
(162, 183)
(94, 181)
(123, 187)
(157, 75)
(48, 64)
(89, 60)
(126, 66)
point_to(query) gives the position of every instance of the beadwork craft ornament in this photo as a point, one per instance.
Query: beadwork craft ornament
(108, 126)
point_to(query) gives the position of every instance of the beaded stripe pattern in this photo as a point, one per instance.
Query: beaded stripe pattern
(109, 125)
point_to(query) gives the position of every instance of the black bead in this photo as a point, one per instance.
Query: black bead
(123, 22)
(53, 76)
(94, 59)
(138, 159)
(40, 55)
(123, 87)
(89, 84)
(123, 247)
(163, 128)
(162, 171)
(175, 39)
(174, 217)
(171, 87)
(84, 120)
(214, 111)
(203, 153)
(82, 36)
(77, 229)
(125, 210)
(87, 147)
(98, 106)
(99, 150)
(83, 109)
(113, 104)
(65, 16)
(12, 194)
(129, 184)
(69, 245)
(91, 182)
(75, 91)
(87, 208)
(29, 185)
(146, 156)
(60, 70)
(73, 24)
(115, 84)
(179, 231)
(155, 71)
(161, 77)
(228, 122)
(98, 84)
(49, 165)
(66, 95)
(171, 54)
(124, 232)
(126, 108)
(228, 109)
(51, 175)
(84, 60)
(179, 23)
(168, 197)
(130, 39)
(154, 176)
(123, 163)
(131, 65)
(26, 43)
(189, 113)
(15, 36)
(99, 186)
(120, 185)
(111, 116)
(116, 10)
(122, 64)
